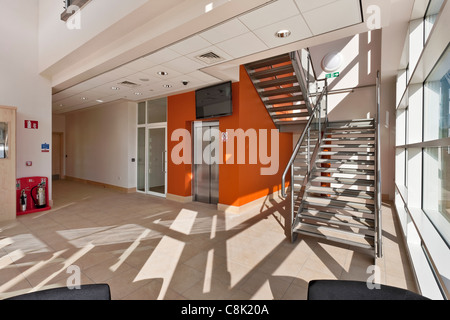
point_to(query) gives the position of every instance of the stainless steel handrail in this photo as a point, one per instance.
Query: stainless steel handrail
(378, 206)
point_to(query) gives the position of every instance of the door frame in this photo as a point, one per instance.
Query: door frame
(148, 127)
(62, 176)
(195, 125)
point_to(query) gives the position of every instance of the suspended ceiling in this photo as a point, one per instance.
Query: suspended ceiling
(241, 39)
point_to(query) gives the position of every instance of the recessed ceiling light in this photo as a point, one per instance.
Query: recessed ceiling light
(84, 98)
(283, 33)
(100, 101)
(115, 88)
(163, 73)
(138, 93)
(167, 86)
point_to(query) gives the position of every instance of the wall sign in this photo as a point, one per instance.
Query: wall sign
(31, 124)
(45, 148)
(333, 75)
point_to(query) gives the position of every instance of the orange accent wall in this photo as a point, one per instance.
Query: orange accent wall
(239, 184)
(180, 115)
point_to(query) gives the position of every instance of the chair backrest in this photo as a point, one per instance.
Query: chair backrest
(87, 292)
(354, 290)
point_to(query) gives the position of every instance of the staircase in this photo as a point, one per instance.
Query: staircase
(277, 81)
(337, 202)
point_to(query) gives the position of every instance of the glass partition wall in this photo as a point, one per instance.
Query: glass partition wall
(152, 147)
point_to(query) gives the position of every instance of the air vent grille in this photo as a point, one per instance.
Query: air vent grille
(129, 84)
(210, 58)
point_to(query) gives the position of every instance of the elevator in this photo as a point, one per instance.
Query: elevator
(206, 165)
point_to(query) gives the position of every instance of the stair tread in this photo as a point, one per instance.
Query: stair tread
(279, 91)
(341, 192)
(288, 108)
(269, 62)
(272, 72)
(323, 200)
(290, 115)
(276, 82)
(347, 171)
(294, 122)
(335, 235)
(347, 161)
(328, 219)
(347, 153)
(348, 132)
(345, 139)
(349, 146)
(348, 209)
(337, 180)
(361, 219)
(295, 98)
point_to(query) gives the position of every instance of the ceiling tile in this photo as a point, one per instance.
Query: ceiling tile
(297, 25)
(225, 31)
(204, 77)
(243, 45)
(269, 14)
(190, 45)
(308, 5)
(142, 78)
(337, 15)
(139, 65)
(162, 56)
(183, 65)
(153, 71)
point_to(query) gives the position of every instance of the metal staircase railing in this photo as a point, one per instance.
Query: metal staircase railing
(378, 193)
(311, 137)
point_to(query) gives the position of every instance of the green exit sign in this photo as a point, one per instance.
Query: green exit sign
(333, 75)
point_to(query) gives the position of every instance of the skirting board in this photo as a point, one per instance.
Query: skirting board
(180, 199)
(104, 185)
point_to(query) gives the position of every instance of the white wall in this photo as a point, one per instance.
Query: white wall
(362, 59)
(22, 86)
(100, 143)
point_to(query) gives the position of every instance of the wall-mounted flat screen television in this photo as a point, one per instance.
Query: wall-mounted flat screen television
(214, 101)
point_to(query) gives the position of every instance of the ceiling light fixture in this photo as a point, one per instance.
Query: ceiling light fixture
(84, 98)
(100, 101)
(115, 88)
(332, 62)
(167, 86)
(283, 33)
(163, 73)
(138, 93)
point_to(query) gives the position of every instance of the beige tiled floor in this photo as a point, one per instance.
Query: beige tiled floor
(148, 248)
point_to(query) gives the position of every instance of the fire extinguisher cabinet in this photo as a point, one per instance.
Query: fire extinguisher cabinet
(28, 187)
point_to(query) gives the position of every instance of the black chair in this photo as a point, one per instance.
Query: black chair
(97, 292)
(354, 290)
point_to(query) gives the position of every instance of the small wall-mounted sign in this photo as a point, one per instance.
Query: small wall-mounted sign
(45, 148)
(333, 75)
(31, 124)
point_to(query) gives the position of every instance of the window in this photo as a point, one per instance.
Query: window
(437, 103)
(430, 17)
(436, 189)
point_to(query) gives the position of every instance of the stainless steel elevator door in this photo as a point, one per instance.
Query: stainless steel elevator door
(206, 170)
